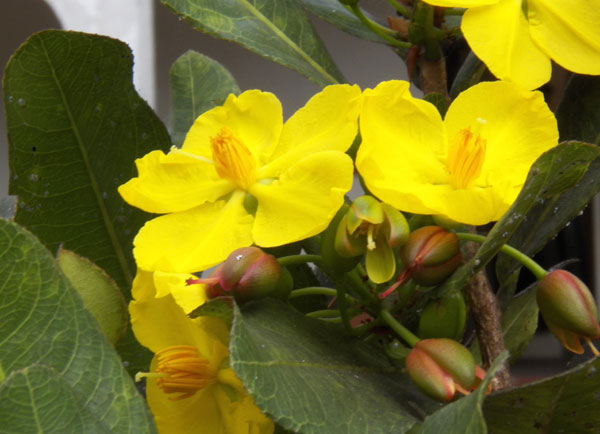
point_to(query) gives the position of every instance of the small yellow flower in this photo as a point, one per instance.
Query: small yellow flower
(244, 177)
(190, 387)
(517, 38)
(468, 167)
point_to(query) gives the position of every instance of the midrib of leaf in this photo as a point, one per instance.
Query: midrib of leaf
(288, 41)
(192, 85)
(33, 406)
(105, 217)
(283, 363)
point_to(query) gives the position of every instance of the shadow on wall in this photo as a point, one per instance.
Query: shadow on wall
(19, 20)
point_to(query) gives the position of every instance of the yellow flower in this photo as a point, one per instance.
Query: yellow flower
(191, 388)
(517, 38)
(468, 167)
(244, 177)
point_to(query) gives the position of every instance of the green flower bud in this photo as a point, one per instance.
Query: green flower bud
(440, 367)
(430, 255)
(568, 308)
(444, 317)
(248, 273)
(329, 253)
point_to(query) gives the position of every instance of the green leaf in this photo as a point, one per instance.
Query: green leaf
(36, 400)
(566, 403)
(558, 173)
(440, 102)
(553, 209)
(335, 13)
(578, 114)
(198, 84)
(45, 323)
(310, 377)
(465, 415)
(276, 29)
(75, 125)
(99, 293)
(519, 323)
(217, 307)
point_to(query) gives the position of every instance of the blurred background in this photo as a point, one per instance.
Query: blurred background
(157, 38)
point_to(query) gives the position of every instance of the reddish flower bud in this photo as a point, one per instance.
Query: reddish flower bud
(568, 308)
(440, 367)
(248, 273)
(430, 255)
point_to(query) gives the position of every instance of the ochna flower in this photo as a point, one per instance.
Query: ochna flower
(190, 387)
(517, 38)
(244, 177)
(468, 167)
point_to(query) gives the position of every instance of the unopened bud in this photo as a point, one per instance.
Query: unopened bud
(430, 255)
(440, 367)
(248, 273)
(568, 308)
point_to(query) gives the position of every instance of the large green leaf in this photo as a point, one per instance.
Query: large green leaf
(45, 323)
(566, 403)
(276, 29)
(556, 174)
(36, 400)
(75, 125)
(465, 415)
(578, 114)
(198, 84)
(337, 14)
(312, 378)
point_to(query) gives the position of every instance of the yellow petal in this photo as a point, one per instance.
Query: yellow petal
(568, 31)
(499, 35)
(254, 117)
(516, 124)
(302, 202)
(169, 183)
(196, 239)
(159, 323)
(328, 121)
(403, 146)
(460, 3)
(188, 297)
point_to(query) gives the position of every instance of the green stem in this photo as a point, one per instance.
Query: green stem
(285, 261)
(537, 270)
(360, 286)
(326, 313)
(343, 307)
(400, 330)
(399, 8)
(318, 290)
(379, 30)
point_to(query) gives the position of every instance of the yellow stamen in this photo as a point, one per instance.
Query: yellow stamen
(370, 241)
(592, 347)
(233, 160)
(466, 154)
(181, 370)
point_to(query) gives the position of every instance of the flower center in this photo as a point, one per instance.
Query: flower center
(181, 370)
(466, 154)
(233, 160)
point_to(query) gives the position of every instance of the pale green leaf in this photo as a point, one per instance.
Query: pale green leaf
(99, 293)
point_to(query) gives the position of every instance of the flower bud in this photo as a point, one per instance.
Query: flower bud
(440, 367)
(430, 255)
(444, 317)
(248, 273)
(568, 308)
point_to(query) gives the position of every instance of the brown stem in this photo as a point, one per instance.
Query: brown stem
(486, 314)
(433, 76)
